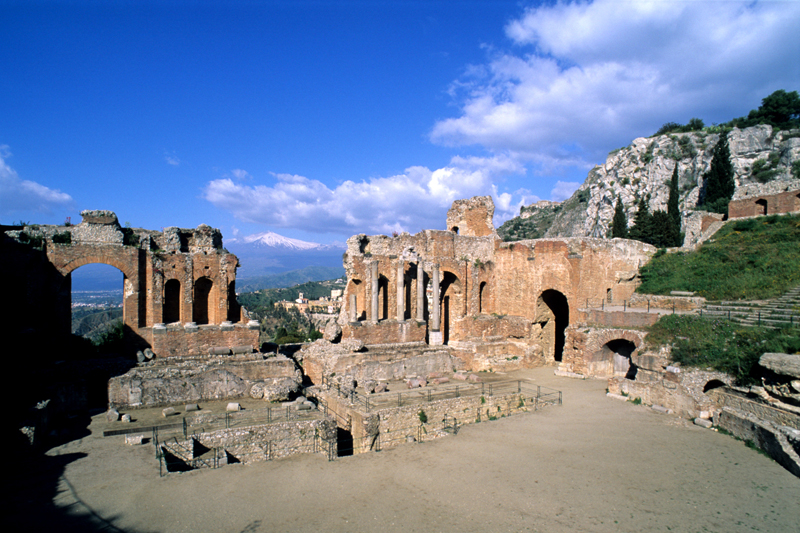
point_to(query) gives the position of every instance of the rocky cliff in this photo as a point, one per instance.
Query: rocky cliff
(765, 161)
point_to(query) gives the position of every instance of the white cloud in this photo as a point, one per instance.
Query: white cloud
(172, 160)
(240, 174)
(414, 200)
(583, 78)
(19, 196)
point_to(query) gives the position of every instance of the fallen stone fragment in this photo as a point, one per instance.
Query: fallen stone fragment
(126, 418)
(112, 415)
(233, 406)
(192, 407)
(168, 411)
(702, 422)
(133, 440)
(661, 409)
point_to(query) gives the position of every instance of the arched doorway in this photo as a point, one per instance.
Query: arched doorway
(552, 313)
(202, 311)
(613, 359)
(483, 295)
(172, 301)
(450, 295)
(761, 207)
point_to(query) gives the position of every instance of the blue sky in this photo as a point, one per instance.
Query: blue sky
(322, 119)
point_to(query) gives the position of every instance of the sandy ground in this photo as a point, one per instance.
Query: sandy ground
(593, 464)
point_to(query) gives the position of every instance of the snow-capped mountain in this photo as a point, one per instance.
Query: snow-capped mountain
(274, 240)
(270, 253)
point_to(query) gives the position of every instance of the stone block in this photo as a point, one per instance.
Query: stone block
(126, 418)
(661, 409)
(112, 415)
(702, 422)
(133, 440)
(168, 411)
(233, 406)
(192, 407)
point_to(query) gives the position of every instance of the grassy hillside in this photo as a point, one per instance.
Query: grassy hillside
(750, 259)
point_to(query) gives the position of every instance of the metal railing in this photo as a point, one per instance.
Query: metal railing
(432, 394)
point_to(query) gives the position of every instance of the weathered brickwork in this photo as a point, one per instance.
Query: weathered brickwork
(496, 305)
(179, 276)
(768, 204)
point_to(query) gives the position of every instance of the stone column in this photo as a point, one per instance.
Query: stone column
(401, 299)
(353, 314)
(436, 311)
(374, 288)
(420, 291)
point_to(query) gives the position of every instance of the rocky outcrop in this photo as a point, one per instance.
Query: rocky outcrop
(645, 168)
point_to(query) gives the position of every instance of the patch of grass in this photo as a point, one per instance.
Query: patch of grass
(637, 401)
(749, 259)
(703, 342)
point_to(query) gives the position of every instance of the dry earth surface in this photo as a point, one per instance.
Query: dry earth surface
(594, 464)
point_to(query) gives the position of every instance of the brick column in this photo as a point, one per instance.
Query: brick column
(401, 300)
(436, 317)
(374, 289)
(353, 314)
(420, 291)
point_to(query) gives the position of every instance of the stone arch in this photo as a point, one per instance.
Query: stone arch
(601, 349)
(552, 314)
(483, 297)
(713, 384)
(761, 207)
(173, 298)
(133, 297)
(203, 310)
(451, 300)
(454, 229)
(383, 297)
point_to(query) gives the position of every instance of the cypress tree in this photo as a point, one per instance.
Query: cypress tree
(642, 223)
(719, 184)
(673, 210)
(619, 224)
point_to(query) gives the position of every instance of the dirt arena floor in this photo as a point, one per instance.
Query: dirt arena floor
(594, 464)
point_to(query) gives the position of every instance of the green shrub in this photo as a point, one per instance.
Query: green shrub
(423, 418)
(720, 344)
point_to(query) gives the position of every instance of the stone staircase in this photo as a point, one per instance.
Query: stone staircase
(779, 312)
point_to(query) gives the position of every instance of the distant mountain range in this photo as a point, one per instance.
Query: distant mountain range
(267, 254)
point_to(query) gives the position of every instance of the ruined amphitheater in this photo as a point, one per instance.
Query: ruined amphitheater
(438, 330)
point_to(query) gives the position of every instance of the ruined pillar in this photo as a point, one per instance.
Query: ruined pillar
(435, 336)
(436, 317)
(353, 310)
(420, 292)
(401, 300)
(374, 289)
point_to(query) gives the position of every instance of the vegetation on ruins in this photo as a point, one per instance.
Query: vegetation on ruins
(721, 344)
(754, 258)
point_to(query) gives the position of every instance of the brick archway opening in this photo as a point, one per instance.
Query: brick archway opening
(620, 351)
(483, 297)
(552, 311)
(450, 295)
(203, 291)
(172, 301)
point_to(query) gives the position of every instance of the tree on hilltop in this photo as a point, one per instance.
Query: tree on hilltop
(719, 185)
